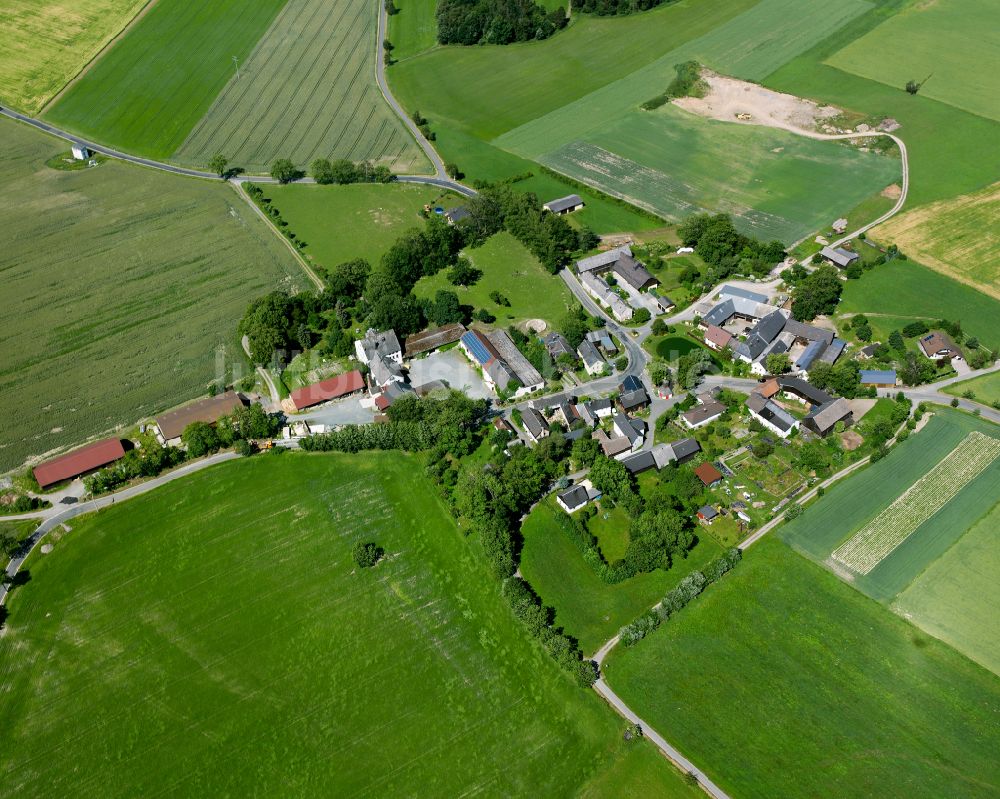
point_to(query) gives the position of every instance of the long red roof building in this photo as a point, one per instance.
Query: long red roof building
(326, 390)
(84, 460)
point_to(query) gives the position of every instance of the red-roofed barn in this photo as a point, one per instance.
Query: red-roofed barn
(91, 457)
(326, 390)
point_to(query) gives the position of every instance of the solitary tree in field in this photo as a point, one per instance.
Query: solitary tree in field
(219, 165)
(367, 554)
(284, 171)
(454, 172)
(912, 87)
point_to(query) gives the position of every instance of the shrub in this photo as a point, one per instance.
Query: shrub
(366, 554)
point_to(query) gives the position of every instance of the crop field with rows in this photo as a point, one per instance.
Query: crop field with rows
(866, 549)
(126, 282)
(221, 621)
(308, 90)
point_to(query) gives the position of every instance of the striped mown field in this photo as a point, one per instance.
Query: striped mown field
(121, 284)
(148, 90)
(307, 90)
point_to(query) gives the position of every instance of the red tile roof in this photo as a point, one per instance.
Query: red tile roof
(708, 474)
(325, 390)
(382, 402)
(91, 457)
(769, 388)
(717, 336)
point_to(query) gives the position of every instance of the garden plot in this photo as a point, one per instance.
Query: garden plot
(873, 542)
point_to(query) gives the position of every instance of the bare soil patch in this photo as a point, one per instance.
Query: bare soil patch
(892, 192)
(732, 100)
(851, 440)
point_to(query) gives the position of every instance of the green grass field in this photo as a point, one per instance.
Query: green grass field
(776, 184)
(957, 597)
(986, 388)
(221, 621)
(507, 267)
(471, 89)
(943, 40)
(959, 238)
(362, 220)
(125, 282)
(147, 92)
(588, 608)
(780, 681)
(43, 45)
(907, 289)
(414, 29)
(307, 90)
(847, 506)
(941, 166)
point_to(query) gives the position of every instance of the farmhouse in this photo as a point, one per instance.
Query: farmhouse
(771, 415)
(564, 205)
(602, 292)
(868, 351)
(79, 151)
(170, 425)
(575, 497)
(496, 374)
(763, 333)
(333, 388)
(708, 474)
(707, 514)
(635, 400)
(592, 360)
(501, 425)
(880, 378)
(527, 374)
(822, 418)
(602, 340)
(631, 429)
(75, 464)
(938, 345)
(729, 292)
(716, 338)
(379, 346)
(534, 424)
(600, 408)
(431, 340)
(702, 414)
(682, 450)
(456, 215)
(663, 302)
(640, 462)
(622, 264)
(558, 347)
(800, 389)
(839, 256)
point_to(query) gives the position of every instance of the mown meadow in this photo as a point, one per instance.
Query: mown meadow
(782, 681)
(126, 282)
(221, 621)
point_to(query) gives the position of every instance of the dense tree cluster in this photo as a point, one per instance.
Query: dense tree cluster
(686, 83)
(726, 250)
(817, 293)
(367, 553)
(342, 171)
(608, 8)
(496, 21)
(498, 207)
(678, 598)
(146, 462)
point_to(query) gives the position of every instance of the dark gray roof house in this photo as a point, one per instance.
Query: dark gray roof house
(832, 352)
(839, 256)
(763, 333)
(534, 424)
(634, 273)
(822, 418)
(639, 462)
(573, 498)
(803, 390)
(630, 383)
(602, 338)
(557, 346)
(633, 400)
(808, 332)
(684, 448)
(736, 291)
(720, 314)
(564, 205)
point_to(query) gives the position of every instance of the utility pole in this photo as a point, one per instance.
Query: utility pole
(236, 61)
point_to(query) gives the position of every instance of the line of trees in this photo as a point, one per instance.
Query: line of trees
(679, 597)
(619, 8)
(686, 83)
(726, 250)
(496, 21)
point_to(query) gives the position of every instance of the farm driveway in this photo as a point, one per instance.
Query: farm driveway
(450, 367)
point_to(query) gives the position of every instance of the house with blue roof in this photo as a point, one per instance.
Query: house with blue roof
(879, 378)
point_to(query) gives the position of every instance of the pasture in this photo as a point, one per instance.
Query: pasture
(585, 606)
(307, 90)
(360, 220)
(221, 621)
(146, 93)
(126, 282)
(43, 45)
(854, 503)
(957, 597)
(945, 41)
(414, 29)
(907, 289)
(941, 166)
(470, 88)
(985, 388)
(507, 267)
(780, 681)
(958, 238)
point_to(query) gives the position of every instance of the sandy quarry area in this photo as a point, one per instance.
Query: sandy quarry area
(729, 98)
